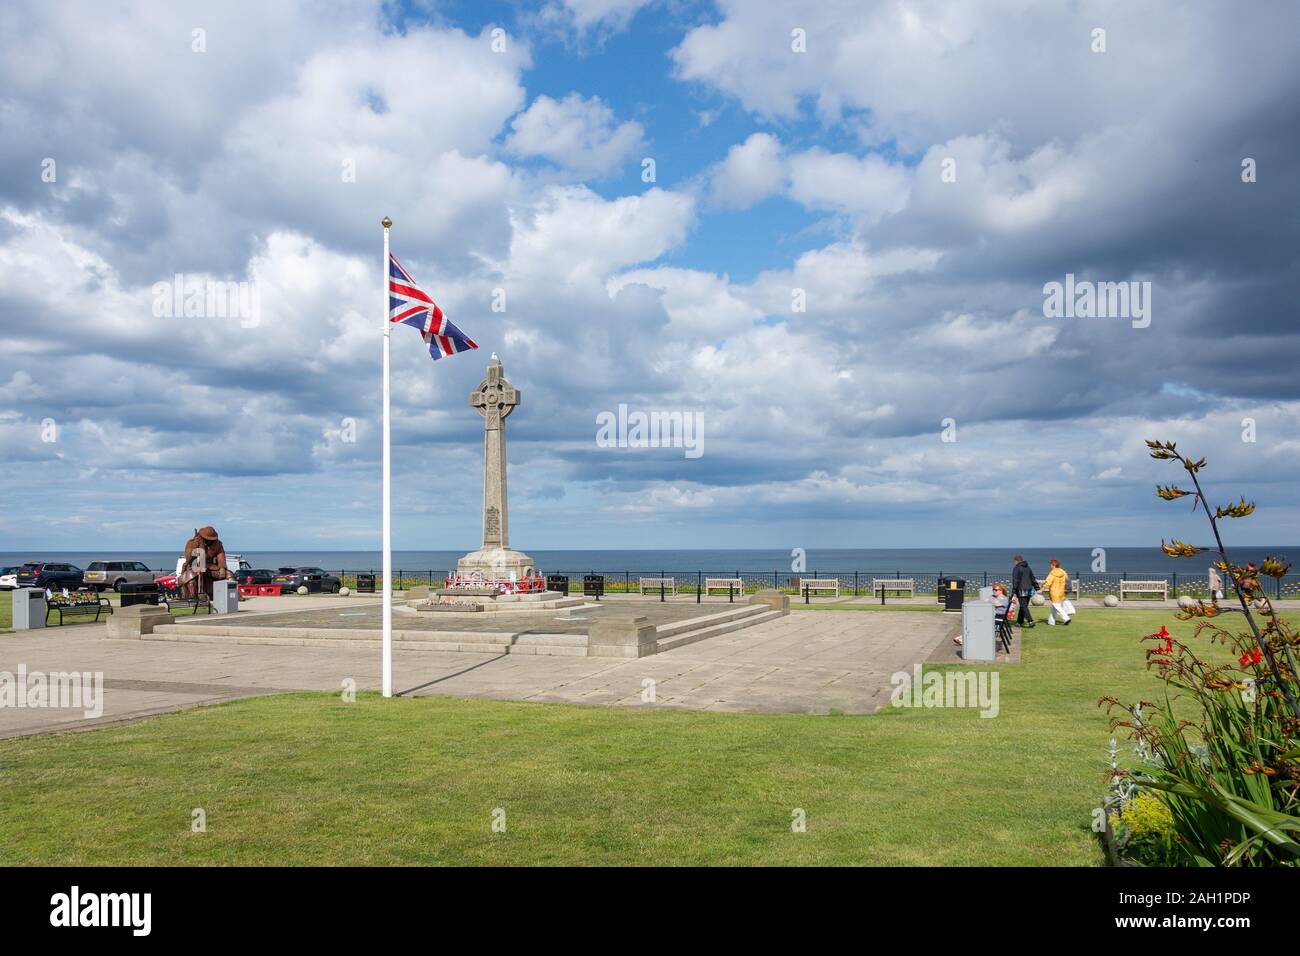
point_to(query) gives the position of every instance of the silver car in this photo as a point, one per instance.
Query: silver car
(113, 574)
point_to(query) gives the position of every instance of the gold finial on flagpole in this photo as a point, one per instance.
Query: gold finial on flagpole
(386, 222)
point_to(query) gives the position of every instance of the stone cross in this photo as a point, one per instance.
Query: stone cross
(495, 398)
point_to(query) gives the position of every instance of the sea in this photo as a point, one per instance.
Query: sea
(872, 562)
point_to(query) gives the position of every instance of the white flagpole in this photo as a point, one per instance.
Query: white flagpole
(388, 511)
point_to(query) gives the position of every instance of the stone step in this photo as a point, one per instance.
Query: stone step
(474, 642)
(681, 639)
(738, 612)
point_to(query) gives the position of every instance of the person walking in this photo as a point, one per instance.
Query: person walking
(1023, 584)
(1216, 584)
(1057, 586)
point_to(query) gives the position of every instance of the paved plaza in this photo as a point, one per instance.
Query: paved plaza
(806, 662)
(568, 620)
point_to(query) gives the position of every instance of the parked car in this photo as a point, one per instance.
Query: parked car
(113, 574)
(315, 580)
(256, 576)
(8, 578)
(50, 574)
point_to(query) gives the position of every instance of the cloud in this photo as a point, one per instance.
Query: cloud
(752, 171)
(571, 233)
(578, 134)
(585, 15)
(824, 336)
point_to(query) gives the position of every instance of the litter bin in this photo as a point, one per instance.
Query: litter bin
(365, 584)
(954, 593)
(558, 583)
(593, 585)
(29, 608)
(146, 592)
(225, 597)
(977, 638)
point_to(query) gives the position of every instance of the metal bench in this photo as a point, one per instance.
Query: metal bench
(662, 585)
(170, 599)
(62, 607)
(732, 586)
(1144, 587)
(809, 585)
(897, 585)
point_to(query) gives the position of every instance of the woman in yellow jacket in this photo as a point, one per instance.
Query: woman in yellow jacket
(1055, 585)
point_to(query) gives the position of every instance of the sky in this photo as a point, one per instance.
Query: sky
(825, 231)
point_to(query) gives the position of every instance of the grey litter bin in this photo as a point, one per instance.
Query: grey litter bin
(29, 608)
(225, 597)
(977, 637)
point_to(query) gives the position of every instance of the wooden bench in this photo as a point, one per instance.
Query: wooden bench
(1144, 587)
(663, 585)
(730, 585)
(897, 585)
(62, 607)
(809, 585)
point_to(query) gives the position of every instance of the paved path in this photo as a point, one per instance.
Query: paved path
(805, 662)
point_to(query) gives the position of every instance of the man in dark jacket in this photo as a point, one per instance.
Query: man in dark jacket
(1023, 584)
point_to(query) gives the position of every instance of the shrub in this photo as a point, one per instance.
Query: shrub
(1228, 775)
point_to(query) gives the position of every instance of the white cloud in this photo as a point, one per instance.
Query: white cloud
(752, 171)
(579, 134)
(587, 14)
(869, 187)
(571, 233)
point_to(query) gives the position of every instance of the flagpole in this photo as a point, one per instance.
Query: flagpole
(388, 476)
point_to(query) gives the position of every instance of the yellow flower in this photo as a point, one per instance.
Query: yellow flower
(1146, 815)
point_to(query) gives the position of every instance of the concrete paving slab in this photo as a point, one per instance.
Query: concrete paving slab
(804, 662)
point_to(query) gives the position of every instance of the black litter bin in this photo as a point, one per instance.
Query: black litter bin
(145, 592)
(593, 585)
(365, 584)
(954, 593)
(557, 582)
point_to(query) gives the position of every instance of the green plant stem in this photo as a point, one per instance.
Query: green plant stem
(1236, 587)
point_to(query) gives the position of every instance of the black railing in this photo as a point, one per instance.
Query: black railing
(851, 583)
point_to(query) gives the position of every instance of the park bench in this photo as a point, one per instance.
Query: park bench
(1144, 587)
(897, 585)
(172, 599)
(810, 585)
(63, 606)
(730, 585)
(663, 585)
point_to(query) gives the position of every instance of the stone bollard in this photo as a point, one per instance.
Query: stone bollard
(622, 636)
(129, 623)
(774, 599)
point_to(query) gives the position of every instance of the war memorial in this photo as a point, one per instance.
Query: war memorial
(494, 602)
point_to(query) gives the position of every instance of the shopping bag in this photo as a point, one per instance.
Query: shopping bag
(1068, 607)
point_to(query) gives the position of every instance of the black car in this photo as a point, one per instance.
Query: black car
(50, 574)
(315, 580)
(255, 576)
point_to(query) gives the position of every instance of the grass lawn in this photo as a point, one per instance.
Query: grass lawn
(309, 779)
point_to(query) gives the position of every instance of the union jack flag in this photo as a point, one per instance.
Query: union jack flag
(411, 305)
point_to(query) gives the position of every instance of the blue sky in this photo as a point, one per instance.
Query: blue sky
(843, 249)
